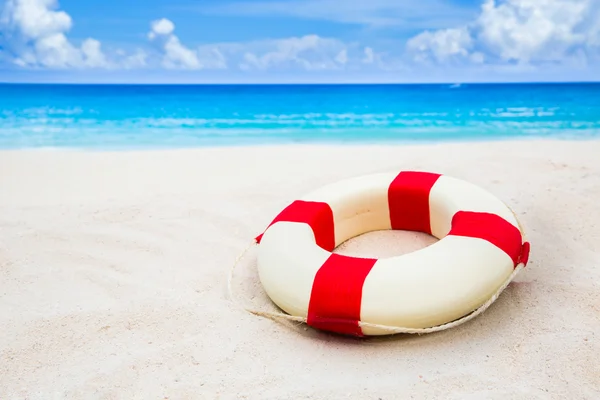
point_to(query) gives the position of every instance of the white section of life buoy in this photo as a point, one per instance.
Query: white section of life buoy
(287, 269)
(359, 205)
(434, 285)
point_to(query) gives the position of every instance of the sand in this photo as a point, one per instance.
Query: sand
(113, 271)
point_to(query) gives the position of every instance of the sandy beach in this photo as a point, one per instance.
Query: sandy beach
(114, 266)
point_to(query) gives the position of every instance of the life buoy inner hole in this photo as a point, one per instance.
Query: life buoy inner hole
(385, 243)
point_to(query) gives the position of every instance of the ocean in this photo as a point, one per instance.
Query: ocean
(173, 116)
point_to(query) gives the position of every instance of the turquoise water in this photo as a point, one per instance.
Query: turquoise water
(142, 116)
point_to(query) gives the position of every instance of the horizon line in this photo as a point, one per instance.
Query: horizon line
(303, 83)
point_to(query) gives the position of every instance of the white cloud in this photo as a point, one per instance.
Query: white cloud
(518, 31)
(92, 53)
(36, 18)
(34, 33)
(525, 30)
(310, 52)
(212, 57)
(442, 44)
(342, 57)
(162, 27)
(178, 56)
(139, 59)
(369, 59)
(369, 56)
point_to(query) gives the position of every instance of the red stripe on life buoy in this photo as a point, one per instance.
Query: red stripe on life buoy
(336, 295)
(524, 258)
(408, 198)
(490, 227)
(316, 214)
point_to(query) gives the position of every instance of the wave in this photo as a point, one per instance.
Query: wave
(198, 125)
(61, 117)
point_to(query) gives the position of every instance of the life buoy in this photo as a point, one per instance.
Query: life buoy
(480, 245)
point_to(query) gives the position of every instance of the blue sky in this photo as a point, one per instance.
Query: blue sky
(299, 40)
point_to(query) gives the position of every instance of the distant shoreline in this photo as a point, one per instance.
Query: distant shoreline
(507, 83)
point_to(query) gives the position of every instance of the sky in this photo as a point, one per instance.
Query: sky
(299, 41)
